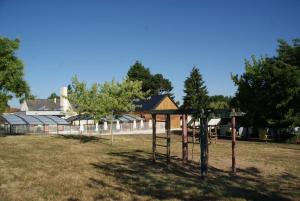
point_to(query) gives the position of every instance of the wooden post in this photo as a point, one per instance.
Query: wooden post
(168, 130)
(184, 139)
(154, 137)
(233, 140)
(193, 139)
(204, 146)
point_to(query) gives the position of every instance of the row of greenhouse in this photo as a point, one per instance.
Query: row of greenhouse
(19, 123)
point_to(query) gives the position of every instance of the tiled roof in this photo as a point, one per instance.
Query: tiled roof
(43, 105)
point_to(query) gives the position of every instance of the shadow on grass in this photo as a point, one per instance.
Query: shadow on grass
(83, 138)
(136, 175)
(11, 134)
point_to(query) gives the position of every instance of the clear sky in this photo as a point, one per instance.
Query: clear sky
(98, 40)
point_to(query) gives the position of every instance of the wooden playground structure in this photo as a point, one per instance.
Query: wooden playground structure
(203, 116)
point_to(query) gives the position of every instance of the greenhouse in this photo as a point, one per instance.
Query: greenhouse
(21, 123)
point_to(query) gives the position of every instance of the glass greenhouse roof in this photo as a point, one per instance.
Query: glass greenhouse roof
(22, 119)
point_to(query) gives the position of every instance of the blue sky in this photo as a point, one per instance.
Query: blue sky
(99, 40)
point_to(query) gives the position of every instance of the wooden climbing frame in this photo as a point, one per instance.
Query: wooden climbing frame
(203, 115)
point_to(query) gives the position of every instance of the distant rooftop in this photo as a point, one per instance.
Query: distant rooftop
(43, 105)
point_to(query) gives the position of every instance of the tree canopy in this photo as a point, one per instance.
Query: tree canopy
(53, 95)
(153, 84)
(196, 95)
(12, 81)
(105, 100)
(269, 90)
(219, 102)
(102, 100)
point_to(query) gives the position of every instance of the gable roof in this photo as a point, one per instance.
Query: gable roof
(43, 105)
(151, 103)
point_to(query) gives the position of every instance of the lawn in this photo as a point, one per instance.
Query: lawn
(76, 168)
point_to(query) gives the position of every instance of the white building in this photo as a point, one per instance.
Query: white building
(57, 106)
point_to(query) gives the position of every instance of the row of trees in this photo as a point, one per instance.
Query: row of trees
(268, 91)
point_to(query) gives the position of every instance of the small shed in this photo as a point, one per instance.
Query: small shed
(158, 102)
(213, 126)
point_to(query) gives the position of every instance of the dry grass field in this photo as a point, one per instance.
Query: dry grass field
(74, 168)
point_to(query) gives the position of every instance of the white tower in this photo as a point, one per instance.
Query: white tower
(64, 103)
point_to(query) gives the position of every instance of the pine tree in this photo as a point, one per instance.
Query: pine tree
(196, 95)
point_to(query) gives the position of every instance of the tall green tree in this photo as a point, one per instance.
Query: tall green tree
(12, 81)
(269, 90)
(80, 96)
(119, 97)
(153, 84)
(196, 94)
(289, 53)
(53, 96)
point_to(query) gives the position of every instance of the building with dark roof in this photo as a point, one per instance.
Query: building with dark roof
(158, 102)
(57, 106)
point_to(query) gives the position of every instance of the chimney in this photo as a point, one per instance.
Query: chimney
(64, 103)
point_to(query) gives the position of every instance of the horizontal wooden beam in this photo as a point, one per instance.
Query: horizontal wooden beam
(161, 145)
(161, 137)
(207, 113)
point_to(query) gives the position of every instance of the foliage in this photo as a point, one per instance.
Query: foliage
(27, 97)
(53, 96)
(105, 100)
(196, 95)
(102, 99)
(219, 102)
(12, 81)
(269, 90)
(152, 84)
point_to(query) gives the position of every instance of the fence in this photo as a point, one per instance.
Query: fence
(101, 129)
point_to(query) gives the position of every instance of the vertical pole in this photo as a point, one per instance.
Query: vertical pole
(194, 130)
(204, 146)
(184, 139)
(233, 140)
(168, 129)
(154, 137)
